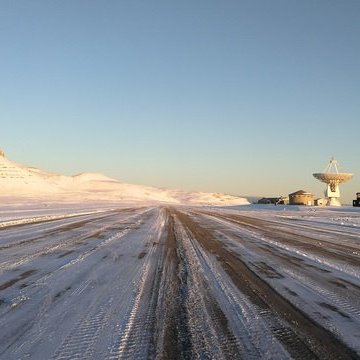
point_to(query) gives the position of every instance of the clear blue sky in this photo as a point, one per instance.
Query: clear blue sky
(239, 96)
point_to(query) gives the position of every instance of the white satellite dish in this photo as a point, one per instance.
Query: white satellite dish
(332, 177)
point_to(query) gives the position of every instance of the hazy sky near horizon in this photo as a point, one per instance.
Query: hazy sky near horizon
(246, 97)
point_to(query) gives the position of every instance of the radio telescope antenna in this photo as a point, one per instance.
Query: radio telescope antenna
(332, 165)
(332, 177)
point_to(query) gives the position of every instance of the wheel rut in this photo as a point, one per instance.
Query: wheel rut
(168, 284)
(193, 323)
(302, 337)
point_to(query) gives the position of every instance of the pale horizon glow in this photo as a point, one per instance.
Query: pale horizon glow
(241, 97)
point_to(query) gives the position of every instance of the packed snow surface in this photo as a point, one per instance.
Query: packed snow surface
(96, 280)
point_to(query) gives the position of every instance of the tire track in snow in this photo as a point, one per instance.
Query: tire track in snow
(48, 249)
(301, 275)
(11, 264)
(81, 341)
(41, 287)
(240, 336)
(329, 254)
(308, 338)
(322, 294)
(134, 336)
(210, 334)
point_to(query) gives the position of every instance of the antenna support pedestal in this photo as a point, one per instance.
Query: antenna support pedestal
(333, 195)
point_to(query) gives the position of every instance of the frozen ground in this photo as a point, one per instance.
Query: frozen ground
(251, 282)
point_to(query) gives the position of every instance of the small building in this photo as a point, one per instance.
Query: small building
(270, 200)
(320, 202)
(284, 200)
(301, 197)
(356, 202)
(274, 200)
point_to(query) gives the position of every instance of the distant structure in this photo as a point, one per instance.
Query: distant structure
(301, 197)
(2, 154)
(274, 200)
(320, 202)
(356, 202)
(333, 178)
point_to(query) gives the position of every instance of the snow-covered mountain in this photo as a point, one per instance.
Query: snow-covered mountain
(25, 181)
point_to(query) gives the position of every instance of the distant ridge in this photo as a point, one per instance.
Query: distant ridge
(17, 179)
(25, 181)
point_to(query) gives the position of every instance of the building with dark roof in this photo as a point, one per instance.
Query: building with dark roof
(281, 200)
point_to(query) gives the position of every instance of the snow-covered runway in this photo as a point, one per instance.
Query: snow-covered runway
(179, 283)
